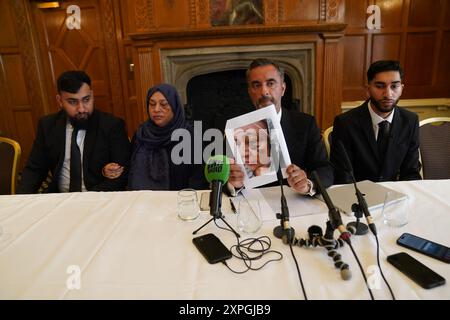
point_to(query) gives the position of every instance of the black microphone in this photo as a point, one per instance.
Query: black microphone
(283, 231)
(333, 212)
(347, 166)
(217, 171)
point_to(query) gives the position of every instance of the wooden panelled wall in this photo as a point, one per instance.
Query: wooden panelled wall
(120, 46)
(153, 25)
(415, 32)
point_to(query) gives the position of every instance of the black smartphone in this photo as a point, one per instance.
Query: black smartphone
(430, 248)
(415, 270)
(212, 248)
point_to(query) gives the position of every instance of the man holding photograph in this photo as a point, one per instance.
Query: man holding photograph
(266, 86)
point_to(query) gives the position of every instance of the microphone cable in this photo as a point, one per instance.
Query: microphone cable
(245, 250)
(298, 271)
(348, 168)
(362, 271)
(247, 245)
(381, 270)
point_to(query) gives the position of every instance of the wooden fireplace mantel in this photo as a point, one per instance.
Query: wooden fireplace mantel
(318, 28)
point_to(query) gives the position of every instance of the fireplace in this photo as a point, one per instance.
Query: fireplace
(211, 80)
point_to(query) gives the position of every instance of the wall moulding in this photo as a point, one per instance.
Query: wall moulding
(238, 31)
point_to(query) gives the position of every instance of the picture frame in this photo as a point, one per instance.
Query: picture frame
(258, 131)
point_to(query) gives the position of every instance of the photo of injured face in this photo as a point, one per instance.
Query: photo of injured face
(258, 146)
(253, 142)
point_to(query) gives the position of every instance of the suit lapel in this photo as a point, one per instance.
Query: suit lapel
(60, 128)
(367, 128)
(89, 140)
(287, 129)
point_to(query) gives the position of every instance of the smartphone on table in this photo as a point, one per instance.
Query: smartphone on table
(427, 247)
(415, 270)
(212, 248)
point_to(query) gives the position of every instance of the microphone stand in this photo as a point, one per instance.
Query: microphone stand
(360, 207)
(359, 228)
(217, 214)
(283, 231)
(221, 217)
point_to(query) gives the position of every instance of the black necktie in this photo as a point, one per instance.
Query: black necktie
(75, 163)
(383, 138)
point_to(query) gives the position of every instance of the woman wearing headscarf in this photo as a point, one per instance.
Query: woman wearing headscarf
(151, 165)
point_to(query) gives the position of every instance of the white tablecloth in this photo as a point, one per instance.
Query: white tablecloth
(132, 245)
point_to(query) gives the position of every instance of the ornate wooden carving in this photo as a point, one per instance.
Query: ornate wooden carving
(323, 10)
(112, 57)
(144, 15)
(29, 54)
(333, 9)
(270, 12)
(24, 118)
(203, 13)
(192, 13)
(280, 10)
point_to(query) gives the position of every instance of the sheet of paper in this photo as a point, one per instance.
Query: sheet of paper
(270, 202)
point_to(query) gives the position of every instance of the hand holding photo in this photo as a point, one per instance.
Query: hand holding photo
(258, 146)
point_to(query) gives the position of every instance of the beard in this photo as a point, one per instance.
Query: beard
(384, 106)
(80, 121)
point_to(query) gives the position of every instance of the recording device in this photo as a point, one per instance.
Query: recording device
(212, 248)
(427, 247)
(217, 171)
(415, 270)
(333, 213)
(362, 204)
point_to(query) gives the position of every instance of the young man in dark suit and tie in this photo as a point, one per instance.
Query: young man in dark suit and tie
(266, 86)
(381, 139)
(76, 143)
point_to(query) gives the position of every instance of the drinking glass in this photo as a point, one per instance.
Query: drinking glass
(249, 216)
(188, 208)
(395, 211)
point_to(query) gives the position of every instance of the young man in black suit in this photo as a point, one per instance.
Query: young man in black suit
(381, 139)
(266, 86)
(76, 143)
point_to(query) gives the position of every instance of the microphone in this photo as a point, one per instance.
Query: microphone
(217, 172)
(333, 212)
(284, 231)
(347, 167)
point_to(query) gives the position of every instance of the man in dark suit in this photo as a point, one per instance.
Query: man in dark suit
(381, 139)
(266, 86)
(77, 143)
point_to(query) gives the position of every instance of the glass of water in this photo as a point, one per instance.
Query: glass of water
(188, 208)
(249, 216)
(395, 211)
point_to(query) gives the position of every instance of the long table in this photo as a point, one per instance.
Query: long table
(132, 245)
